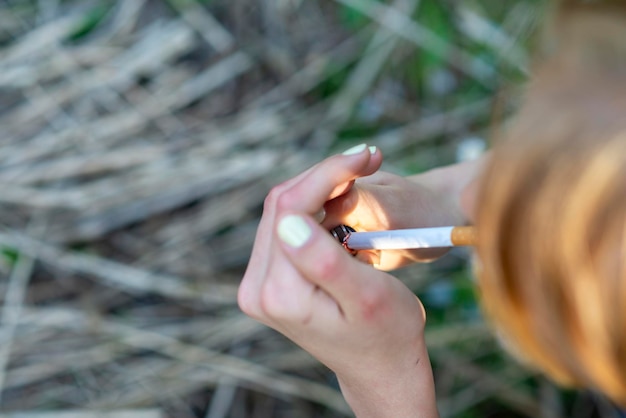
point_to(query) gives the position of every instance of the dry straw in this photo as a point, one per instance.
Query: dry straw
(135, 157)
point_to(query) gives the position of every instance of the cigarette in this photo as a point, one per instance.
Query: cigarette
(445, 236)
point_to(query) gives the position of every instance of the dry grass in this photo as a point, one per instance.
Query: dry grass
(139, 140)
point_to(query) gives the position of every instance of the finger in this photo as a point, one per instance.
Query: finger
(371, 257)
(375, 162)
(360, 209)
(352, 284)
(316, 186)
(261, 257)
(300, 181)
(249, 291)
(341, 190)
(338, 210)
(337, 171)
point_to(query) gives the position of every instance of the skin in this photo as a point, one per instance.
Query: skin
(359, 321)
(383, 201)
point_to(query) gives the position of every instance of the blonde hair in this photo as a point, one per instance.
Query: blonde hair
(551, 213)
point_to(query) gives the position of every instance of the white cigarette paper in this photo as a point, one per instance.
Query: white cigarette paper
(401, 239)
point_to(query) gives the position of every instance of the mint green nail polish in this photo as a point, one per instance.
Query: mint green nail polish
(372, 149)
(355, 150)
(294, 231)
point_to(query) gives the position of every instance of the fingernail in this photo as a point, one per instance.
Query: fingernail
(294, 231)
(372, 149)
(355, 150)
(320, 215)
(369, 257)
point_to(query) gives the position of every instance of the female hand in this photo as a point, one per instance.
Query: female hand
(363, 324)
(385, 201)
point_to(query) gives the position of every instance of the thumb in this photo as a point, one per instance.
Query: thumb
(322, 261)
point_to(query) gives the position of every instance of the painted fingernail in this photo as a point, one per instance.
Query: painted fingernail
(372, 149)
(294, 231)
(355, 150)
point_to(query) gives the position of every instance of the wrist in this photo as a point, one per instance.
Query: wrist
(406, 392)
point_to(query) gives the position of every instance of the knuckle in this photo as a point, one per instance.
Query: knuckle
(247, 301)
(272, 305)
(247, 305)
(278, 306)
(373, 302)
(279, 199)
(266, 303)
(285, 201)
(273, 196)
(328, 265)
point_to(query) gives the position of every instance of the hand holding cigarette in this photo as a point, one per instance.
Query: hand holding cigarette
(438, 237)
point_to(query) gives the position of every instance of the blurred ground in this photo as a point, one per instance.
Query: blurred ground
(139, 139)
